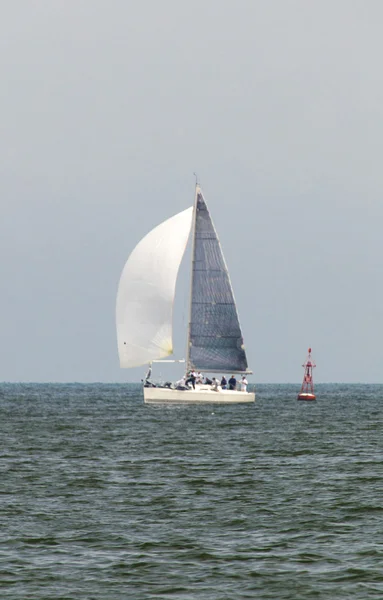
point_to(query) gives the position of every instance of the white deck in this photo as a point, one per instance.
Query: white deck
(201, 395)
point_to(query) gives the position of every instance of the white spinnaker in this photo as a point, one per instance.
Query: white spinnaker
(146, 292)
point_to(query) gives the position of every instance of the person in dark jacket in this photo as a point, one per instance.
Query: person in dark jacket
(232, 383)
(191, 379)
(223, 382)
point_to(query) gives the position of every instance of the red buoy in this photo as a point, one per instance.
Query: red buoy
(307, 389)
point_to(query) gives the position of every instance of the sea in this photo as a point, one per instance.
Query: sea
(105, 498)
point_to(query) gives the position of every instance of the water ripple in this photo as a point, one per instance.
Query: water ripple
(105, 498)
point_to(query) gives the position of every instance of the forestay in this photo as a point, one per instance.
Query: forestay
(215, 341)
(146, 292)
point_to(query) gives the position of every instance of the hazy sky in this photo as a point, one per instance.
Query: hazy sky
(106, 109)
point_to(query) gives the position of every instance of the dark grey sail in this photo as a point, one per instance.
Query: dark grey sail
(215, 341)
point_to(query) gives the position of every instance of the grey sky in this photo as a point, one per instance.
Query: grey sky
(107, 108)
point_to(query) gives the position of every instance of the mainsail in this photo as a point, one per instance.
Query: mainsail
(146, 292)
(215, 341)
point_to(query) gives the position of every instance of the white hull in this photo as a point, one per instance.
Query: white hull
(200, 395)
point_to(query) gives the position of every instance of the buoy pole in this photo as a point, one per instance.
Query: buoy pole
(307, 388)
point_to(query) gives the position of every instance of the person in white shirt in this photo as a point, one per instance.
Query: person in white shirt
(244, 383)
(181, 382)
(199, 377)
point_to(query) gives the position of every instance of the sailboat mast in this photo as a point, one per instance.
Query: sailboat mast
(197, 190)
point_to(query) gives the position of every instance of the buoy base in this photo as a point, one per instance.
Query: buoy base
(306, 396)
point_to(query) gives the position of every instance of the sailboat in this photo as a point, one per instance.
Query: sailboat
(307, 388)
(144, 309)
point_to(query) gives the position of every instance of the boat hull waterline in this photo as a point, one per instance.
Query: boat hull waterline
(154, 395)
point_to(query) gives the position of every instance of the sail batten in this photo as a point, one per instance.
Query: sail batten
(146, 292)
(215, 341)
